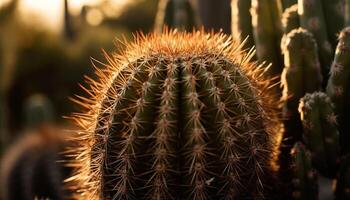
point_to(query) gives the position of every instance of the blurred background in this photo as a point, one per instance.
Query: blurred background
(46, 49)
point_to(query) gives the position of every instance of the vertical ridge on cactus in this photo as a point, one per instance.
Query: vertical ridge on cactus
(177, 116)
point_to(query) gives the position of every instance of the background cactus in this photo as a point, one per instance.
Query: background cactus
(305, 178)
(338, 87)
(33, 166)
(320, 132)
(181, 115)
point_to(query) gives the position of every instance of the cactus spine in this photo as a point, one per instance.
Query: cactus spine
(338, 86)
(320, 131)
(179, 115)
(305, 178)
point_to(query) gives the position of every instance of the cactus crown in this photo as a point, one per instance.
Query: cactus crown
(177, 116)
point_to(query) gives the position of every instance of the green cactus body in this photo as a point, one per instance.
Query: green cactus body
(175, 14)
(342, 189)
(267, 31)
(305, 178)
(312, 19)
(290, 21)
(334, 16)
(177, 116)
(288, 3)
(241, 22)
(301, 75)
(320, 132)
(338, 86)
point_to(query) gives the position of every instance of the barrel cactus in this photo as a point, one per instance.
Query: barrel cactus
(177, 116)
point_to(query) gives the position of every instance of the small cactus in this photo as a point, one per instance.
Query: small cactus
(177, 116)
(305, 177)
(338, 86)
(320, 132)
(38, 110)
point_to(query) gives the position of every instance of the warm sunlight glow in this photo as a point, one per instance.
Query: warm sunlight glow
(49, 13)
(46, 12)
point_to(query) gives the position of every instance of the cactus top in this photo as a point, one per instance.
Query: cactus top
(177, 116)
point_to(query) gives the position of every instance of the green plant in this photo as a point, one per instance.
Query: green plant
(320, 132)
(177, 115)
(305, 186)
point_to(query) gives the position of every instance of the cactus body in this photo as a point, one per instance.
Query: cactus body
(338, 86)
(267, 31)
(334, 17)
(320, 132)
(290, 21)
(178, 116)
(301, 75)
(175, 14)
(241, 22)
(312, 18)
(38, 110)
(305, 178)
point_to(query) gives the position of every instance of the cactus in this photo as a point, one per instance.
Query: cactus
(301, 75)
(320, 132)
(338, 86)
(241, 22)
(176, 14)
(312, 18)
(290, 21)
(68, 26)
(178, 116)
(30, 167)
(38, 110)
(305, 178)
(267, 32)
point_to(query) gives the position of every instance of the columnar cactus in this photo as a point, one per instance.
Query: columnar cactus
(339, 84)
(334, 18)
(302, 74)
(267, 32)
(320, 132)
(177, 116)
(290, 21)
(305, 177)
(312, 18)
(241, 22)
